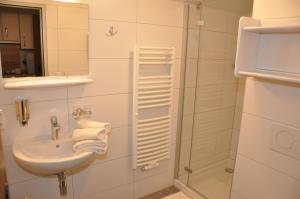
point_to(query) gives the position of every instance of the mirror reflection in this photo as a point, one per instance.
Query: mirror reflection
(40, 38)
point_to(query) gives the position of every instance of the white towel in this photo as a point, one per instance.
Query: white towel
(95, 146)
(85, 123)
(88, 134)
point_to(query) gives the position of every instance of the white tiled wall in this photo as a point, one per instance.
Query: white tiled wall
(261, 171)
(148, 22)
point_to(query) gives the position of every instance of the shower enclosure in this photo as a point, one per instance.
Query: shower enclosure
(211, 97)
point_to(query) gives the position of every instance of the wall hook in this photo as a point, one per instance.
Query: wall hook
(111, 32)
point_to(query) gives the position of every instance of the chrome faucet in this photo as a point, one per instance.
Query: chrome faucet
(55, 128)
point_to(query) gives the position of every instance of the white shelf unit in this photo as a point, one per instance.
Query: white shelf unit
(152, 105)
(269, 49)
(44, 82)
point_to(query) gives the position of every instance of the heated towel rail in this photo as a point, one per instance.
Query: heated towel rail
(152, 105)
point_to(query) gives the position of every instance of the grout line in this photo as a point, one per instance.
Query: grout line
(124, 58)
(111, 20)
(272, 120)
(237, 193)
(136, 22)
(267, 166)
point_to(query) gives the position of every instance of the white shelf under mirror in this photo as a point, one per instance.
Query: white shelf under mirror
(49, 81)
(269, 49)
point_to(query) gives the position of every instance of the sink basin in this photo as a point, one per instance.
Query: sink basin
(43, 155)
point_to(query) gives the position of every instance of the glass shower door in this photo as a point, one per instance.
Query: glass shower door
(212, 98)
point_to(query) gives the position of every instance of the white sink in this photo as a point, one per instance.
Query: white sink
(43, 155)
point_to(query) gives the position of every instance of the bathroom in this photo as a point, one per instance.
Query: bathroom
(218, 128)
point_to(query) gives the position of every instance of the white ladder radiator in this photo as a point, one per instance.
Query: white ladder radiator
(152, 105)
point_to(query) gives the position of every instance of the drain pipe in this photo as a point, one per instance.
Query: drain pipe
(63, 189)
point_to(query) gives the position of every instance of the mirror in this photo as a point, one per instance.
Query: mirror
(43, 38)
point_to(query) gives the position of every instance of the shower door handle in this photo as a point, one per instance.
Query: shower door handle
(187, 169)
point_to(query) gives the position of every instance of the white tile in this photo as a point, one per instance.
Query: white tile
(233, 22)
(185, 151)
(174, 130)
(124, 192)
(39, 122)
(194, 16)
(119, 46)
(229, 72)
(191, 73)
(231, 44)
(33, 95)
(257, 131)
(212, 97)
(52, 39)
(178, 69)
(99, 177)
(212, 44)
(167, 12)
(110, 108)
(153, 184)
(72, 40)
(151, 35)
(213, 121)
(52, 61)
(214, 19)
(193, 43)
(183, 178)
(254, 180)
(234, 143)
(179, 195)
(223, 141)
(72, 17)
(113, 10)
(15, 173)
(72, 61)
(46, 187)
(235, 195)
(189, 100)
(210, 72)
(187, 127)
(51, 16)
(175, 101)
(209, 97)
(111, 76)
(274, 101)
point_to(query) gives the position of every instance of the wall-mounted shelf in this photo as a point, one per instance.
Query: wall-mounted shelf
(274, 29)
(273, 76)
(41, 82)
(269, 49)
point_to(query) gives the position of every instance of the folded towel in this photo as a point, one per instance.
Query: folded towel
(85, 123)
(95, 146)
(88, 134)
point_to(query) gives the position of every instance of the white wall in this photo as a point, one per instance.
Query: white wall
(262, 173)
(146, 22)
(276, 8)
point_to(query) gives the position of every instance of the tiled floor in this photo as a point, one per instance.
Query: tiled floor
(162, 194)
(178, 195)
(216, 184)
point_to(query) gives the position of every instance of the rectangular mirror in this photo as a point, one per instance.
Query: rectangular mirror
(43, 38)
